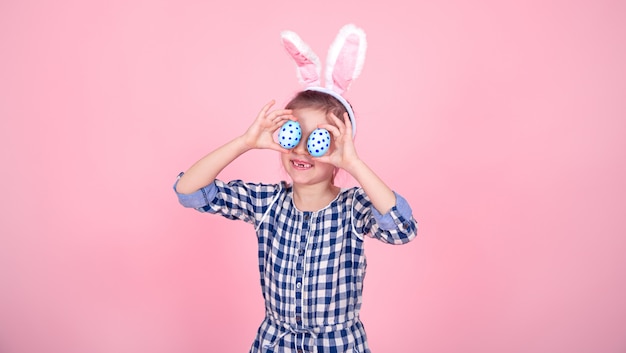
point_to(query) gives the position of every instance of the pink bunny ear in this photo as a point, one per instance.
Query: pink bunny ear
(307, 62)
(346, 57)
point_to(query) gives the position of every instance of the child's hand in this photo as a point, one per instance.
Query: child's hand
(261, 133)
(343, 155)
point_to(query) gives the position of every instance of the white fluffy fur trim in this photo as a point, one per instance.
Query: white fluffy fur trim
(307, 52)
(335, 49)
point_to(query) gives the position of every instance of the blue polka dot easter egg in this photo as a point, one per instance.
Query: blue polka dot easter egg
(319, 142)
(289, 134)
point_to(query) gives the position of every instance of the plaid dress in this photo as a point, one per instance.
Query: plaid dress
(311, 264)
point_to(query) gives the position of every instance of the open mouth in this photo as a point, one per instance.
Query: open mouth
(301, 164)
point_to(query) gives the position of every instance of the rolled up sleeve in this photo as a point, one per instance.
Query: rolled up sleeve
(198, 199)
(397, 226)
(395, 216)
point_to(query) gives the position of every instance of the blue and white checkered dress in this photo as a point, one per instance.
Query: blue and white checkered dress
(311, 264)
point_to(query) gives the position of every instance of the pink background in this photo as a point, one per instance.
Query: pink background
(502, 122)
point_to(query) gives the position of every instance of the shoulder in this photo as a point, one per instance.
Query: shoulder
(352, 196)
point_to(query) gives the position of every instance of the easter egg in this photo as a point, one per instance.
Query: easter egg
(289, 134)
(319, 142)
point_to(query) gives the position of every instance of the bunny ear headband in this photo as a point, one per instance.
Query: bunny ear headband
(344, 63)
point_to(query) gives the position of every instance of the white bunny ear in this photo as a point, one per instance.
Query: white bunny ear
(308, 63)
(346, 57)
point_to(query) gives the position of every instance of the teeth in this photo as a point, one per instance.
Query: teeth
(301, 165)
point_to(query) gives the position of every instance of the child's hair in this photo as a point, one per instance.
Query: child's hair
(317, 100)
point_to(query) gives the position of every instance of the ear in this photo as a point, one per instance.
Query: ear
(307, 62)
(345, 58)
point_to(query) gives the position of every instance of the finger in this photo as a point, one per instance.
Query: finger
(263, 113)
(348, 123)
(278, 148)
(334, 119)
(276, 125)
(282, 114)
(326, 159)
(323, 159)
(340, 124)
(267, 107)
(334, 130)
(281, 120)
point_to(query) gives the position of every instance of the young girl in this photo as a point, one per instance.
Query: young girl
(310, 232)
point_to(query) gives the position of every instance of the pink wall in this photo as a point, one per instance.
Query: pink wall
(502, 122)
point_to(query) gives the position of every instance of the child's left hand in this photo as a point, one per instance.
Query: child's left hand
(343, 155)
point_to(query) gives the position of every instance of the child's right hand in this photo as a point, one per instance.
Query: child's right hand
(261, 133)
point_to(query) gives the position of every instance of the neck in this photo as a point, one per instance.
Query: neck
(314, 197)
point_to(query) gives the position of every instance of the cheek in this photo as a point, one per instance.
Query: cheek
(327, 169)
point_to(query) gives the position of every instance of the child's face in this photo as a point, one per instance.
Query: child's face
(298, 163)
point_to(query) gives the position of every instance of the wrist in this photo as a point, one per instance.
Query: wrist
(243, 143)
(354, 166)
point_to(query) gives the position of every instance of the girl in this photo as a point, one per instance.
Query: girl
(310, 232)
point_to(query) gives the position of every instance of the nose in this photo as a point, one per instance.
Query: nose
(300, 148)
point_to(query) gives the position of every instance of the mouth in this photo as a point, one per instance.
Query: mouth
(301, 165)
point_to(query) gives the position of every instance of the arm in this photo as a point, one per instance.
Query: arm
(344, 156)
(204, 171)
(381, 196)
(258, 135)
(397, 226)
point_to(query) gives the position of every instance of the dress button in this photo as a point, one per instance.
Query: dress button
(298, 285)
(298, 319)
(306, 217)
(300, 252)
(299, 350)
